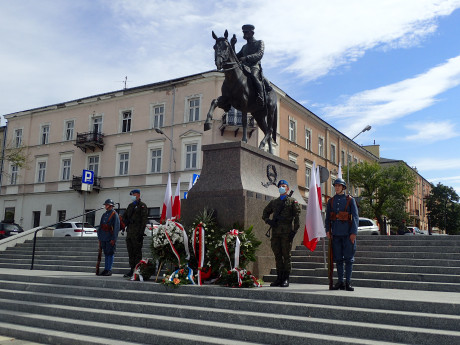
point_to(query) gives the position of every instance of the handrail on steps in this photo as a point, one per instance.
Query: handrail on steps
(44, 227)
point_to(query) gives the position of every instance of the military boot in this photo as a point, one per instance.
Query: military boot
(129, 274)
(339, 286)
(277, 282)
(348, 286)
(285, 280)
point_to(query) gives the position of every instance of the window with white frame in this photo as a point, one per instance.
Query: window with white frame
(96, 123)
(321, 146)
(45, 133)
(18, 137)
(126, 121)
(158, 112)
(191, 155)
(342, 157)
(123, 163)
(307, 176)
(355, 160)
(292, 129)
(41, 171)
(155, 156)
(14, 174)
(332, 153)
(348, 158)
(65, 173)
(308, 139)
(93, 164)
(69, 127)
(193, 109)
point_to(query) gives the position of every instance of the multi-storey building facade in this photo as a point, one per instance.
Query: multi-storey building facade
(133, 138)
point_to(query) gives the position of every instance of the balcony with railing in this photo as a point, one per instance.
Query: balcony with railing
(90, 141)
(76, 183)
(233, 121)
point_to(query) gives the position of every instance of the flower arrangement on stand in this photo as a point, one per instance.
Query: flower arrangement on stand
(170, 244)
(239, 278)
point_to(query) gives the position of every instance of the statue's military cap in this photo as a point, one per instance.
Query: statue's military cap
(248, 27)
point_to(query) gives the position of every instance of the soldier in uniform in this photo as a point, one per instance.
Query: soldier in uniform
(108, 234)
(284, 224)
(342, 224)
(135, 219)
(250, 55)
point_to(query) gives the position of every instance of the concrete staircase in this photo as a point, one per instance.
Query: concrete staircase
(61, 301)
(430, 263)
(53, 307)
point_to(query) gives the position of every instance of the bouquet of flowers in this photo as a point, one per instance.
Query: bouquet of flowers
(238, 278)
(182, 276)
(144, 270)
(170, 243)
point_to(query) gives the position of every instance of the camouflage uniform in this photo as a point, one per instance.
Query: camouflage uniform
(135, 219)
(285, 212)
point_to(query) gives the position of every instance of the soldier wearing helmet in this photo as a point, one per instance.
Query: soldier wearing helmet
(284, 225)
(342, 225)
(108, 234)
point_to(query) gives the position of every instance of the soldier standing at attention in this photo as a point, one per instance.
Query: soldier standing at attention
(108, 234)
(286, 210)
(342, 224)
(135, 219)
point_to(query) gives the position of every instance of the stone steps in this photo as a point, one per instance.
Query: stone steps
(111, 310)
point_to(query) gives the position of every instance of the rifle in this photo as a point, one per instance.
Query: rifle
(330, 263)
(276, 216)
(99, 257)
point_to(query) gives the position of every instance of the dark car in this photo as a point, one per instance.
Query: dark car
(9, 229)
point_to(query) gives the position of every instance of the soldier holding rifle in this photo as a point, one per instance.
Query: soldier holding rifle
(286, 211)
(342, 227)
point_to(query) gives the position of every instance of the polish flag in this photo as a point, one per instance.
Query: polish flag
(176, 202)
(339, 174)
(166, 211)
(314, 227)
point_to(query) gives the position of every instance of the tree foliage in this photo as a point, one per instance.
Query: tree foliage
(443, 205)
(384, 190)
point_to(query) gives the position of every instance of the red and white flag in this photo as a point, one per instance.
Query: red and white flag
(166, 211)
(339, 174)
(314, 227)
(176, 202)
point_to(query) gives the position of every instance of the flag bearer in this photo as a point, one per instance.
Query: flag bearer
(342, 224)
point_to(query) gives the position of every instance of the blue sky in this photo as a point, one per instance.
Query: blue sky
(394, 65)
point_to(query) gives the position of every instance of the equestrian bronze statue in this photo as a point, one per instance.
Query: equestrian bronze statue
(240, 89)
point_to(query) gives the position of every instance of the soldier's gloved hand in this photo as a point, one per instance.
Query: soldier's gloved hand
(291, 235)
(270, 222)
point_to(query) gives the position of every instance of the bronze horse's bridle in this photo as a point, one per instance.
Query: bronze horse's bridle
(223, 54)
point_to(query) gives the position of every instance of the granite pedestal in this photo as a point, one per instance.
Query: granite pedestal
(231, 183)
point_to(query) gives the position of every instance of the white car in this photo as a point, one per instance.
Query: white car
(415, 231)
(74, 229)
(367, 227)
(153, 224)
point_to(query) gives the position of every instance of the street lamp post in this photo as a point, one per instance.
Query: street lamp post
(367, 128)
(159, 131)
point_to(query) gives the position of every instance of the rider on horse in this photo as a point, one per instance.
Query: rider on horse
(250, 55)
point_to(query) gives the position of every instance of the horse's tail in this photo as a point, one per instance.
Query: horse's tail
(275, 122)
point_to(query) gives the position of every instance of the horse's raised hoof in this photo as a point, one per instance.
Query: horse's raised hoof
(207, 126)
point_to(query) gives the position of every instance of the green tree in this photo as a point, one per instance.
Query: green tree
(384, 190)
(443, 205)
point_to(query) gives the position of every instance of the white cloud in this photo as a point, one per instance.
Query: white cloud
(387, 103)
(432, 131)
(436, 164)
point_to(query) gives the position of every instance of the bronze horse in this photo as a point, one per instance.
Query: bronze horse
(238, 91)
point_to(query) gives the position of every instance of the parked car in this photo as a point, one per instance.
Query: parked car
(367, 227)
(9, 229)
(74, 229)
(414, 231)
(153, 224)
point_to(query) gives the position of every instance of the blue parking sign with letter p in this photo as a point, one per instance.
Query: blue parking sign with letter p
(88, 177)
